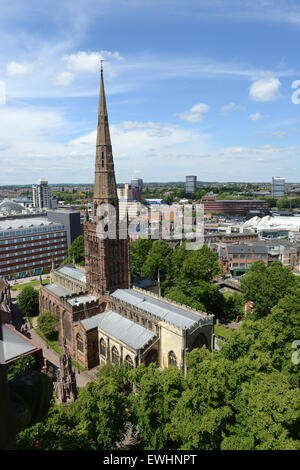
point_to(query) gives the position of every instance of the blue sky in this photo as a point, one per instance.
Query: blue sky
(198, 87)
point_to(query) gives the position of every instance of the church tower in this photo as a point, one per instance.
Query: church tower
(106, 247)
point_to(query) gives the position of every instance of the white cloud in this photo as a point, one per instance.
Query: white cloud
(63, 79)
(265, 89)
(231, 107)
(200, 108)
(2, 92)
(255, 116)
(195, 114)
(18, 69)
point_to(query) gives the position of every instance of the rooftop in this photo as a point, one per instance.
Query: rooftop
(60, 291)
(74, 273)
(14, 224)
(125, 330)
(82, 299)
(15, 344)
(165, 310)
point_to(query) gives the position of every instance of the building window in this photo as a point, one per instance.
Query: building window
(102, 347)
(129, 362)
(79, 343)
(172, 361)
(115, 357)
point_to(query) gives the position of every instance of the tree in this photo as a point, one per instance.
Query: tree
(156, 394)
(76, 251)
(266, 285)
(200, 416)
(22, 364)
(267, 415)
(139, 251)
(192, 285)
(28, 301)
(101, 413)
(234, 306)
(158, 261)
(47, 323)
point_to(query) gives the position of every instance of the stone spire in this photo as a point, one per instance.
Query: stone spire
(66, 389)
(105, 188)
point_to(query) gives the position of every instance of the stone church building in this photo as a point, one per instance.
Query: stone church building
(102, 317)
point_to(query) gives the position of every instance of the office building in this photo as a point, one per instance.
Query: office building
(41, 195)
(278, 187)
(70, 219)
(190, 184)
(28, 246)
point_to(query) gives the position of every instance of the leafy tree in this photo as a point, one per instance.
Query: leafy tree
(22, 364)
(139, 251)
(234, 306)
(47, 324)
(158, 261)
(267, 415)
(156, 394)
(192, 286)
(28, 301)
(205, 406)
(58, 432)
(101, 413)
(76, 251)
(266, 285)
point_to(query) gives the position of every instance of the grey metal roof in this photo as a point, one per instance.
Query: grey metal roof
(82, 299)
(73, 272)
(15, 344)
(166, 311)
(58, 290)
(121, 328)
(247, 249)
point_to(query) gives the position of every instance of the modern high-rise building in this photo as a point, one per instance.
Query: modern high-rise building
(137, 187)
(278, 187)
(190, 184)
(41, 194)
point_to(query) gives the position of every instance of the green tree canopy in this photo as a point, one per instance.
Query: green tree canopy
(139, 251)
(266, 285)
(47, 324)
(158, 261)
(28, 301)
(76, 251)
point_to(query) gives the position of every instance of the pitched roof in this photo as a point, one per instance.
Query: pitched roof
(121, 328)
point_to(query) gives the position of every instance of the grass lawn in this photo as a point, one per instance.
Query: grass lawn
(223, 331)
(32, 284)
(54, 344)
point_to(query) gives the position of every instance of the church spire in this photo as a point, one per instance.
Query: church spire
(105, 188)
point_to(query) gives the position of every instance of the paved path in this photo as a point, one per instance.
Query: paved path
(19, 321)
(82, 377)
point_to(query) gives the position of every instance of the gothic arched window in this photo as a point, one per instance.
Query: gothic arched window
(102, 347)
(115, 357)
(129, 362)
(79, 343)
(172, 360)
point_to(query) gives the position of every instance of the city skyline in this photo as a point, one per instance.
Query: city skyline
(203, 89)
